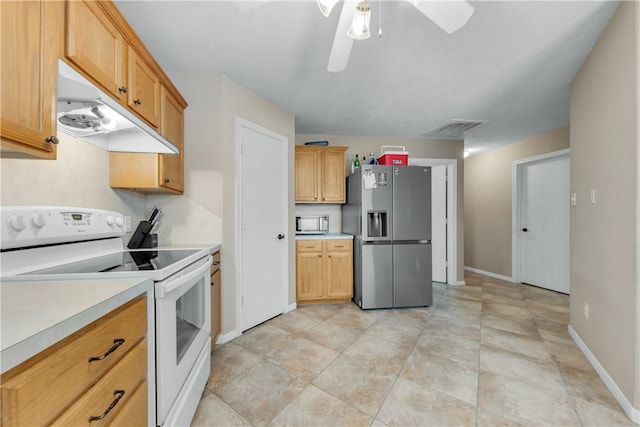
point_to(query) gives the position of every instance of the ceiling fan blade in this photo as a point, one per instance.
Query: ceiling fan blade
(342, 43)
(450, 15)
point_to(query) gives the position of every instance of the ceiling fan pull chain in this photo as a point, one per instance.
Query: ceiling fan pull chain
(380, 19)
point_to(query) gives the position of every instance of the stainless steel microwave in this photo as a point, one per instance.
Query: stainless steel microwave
(316, 224)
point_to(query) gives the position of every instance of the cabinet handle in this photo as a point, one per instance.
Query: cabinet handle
(137, 101)
(122, 89)
(309, 247)
(118, 394)
(52, 139)
(319, 256)
(329, 256)
(166, 180)
(339, 246)
(213, 283)
(116, 343)
(216, 262)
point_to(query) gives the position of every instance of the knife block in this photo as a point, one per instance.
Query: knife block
(150, 241)
(141, 233)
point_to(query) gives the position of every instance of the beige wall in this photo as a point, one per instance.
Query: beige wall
(417, 148)
(488, 198)
(604, 153)
(78, 178)
(207, 211)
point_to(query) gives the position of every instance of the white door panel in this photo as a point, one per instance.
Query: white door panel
(263, 218)
(439, 222)
(544, 223)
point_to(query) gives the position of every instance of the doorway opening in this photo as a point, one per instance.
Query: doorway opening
(444, 218)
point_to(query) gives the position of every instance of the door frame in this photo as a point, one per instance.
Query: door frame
(452, 209)
(241, 124)
(516, 205)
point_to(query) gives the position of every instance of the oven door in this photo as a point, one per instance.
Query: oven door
(183, 328)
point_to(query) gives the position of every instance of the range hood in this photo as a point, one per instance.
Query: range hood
(84, 111)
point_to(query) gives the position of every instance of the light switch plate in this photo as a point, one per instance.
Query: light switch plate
(574, 199)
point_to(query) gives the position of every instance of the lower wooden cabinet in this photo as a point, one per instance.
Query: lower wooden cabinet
(324, 271)
(216, 299)
(78, 377)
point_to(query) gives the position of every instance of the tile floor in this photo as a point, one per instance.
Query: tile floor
(486, 354)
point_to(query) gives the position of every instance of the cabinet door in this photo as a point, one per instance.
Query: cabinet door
(28, 65)
(216, 306)
(307, 176)
(95, 45)
(339, 275)
(143, 94)
(310, 275)
(172, 128)
(332, 182)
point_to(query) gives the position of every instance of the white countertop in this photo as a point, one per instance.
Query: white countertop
(37, 314)
(330, 236)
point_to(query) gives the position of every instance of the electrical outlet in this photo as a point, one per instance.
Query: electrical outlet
(593, 196)
(586, 311)
(127, 224)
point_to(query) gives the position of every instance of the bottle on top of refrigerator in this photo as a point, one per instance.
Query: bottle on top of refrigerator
(353, 164)
(364, 160)
(373, 160)
(356, 162)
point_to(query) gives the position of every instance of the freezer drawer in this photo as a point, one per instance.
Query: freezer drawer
(412, 275)
(377, 276)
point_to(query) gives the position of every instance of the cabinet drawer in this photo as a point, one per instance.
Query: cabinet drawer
(309, 245)
(111, 394)
(339, 245)
(135, 412)
(36, 391)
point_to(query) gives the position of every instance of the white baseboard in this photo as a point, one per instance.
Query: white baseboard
(291, 307)
(459, 283)
(225, 338)
(632, 413)
(488, 273)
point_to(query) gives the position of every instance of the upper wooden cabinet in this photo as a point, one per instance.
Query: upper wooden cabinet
(143, 94)
(320, 174)
(154, 173)
(29, 47)
(96, 46)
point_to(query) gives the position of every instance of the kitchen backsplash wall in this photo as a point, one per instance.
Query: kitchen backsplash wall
(334, 212)
(78, 178)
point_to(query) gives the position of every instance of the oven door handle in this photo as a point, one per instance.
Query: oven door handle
(172, 284)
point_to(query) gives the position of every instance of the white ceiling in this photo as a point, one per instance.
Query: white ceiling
(511, 64)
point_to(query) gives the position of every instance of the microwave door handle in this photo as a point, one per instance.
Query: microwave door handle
(163, 288)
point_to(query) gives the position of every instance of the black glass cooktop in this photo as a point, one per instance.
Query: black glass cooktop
(122, 261)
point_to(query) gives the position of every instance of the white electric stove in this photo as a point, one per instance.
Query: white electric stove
(48, 243)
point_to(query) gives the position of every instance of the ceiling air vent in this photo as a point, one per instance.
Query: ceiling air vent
(455, 128)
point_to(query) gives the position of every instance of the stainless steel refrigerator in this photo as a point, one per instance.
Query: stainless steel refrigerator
(388, 210)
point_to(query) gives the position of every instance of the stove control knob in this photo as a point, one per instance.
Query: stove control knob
(17, 222)
(119, 221)
(110, 220)
(38, 220)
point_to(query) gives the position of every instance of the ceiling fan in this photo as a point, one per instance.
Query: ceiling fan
(450, 15)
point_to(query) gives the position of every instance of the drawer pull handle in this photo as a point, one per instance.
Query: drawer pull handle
(309, 247)
(339, 246)
(118, 394)
(116, 343)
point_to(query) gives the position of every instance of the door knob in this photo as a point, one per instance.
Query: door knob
(525, 229)
(280, 236)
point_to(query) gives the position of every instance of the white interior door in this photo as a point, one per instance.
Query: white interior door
(263, 192)
(544, 223)
(439, 222)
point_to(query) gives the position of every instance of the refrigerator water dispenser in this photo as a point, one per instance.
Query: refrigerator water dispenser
(377, 224)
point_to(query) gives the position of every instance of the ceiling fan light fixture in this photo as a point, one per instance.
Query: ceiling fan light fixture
(326, 6)
(359, 29)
